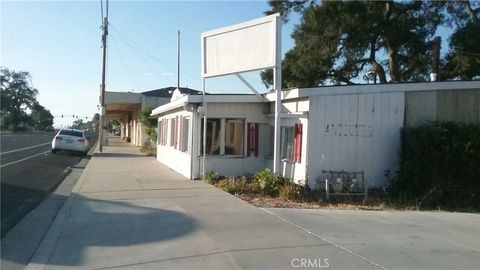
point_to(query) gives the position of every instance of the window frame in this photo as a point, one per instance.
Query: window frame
(294, 154)
(222, 136)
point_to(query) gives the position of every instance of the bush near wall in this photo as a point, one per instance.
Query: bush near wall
(440, 165)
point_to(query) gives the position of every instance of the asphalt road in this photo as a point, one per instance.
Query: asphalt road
(28, 173)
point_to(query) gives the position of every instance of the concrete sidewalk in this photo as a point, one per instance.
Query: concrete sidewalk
(128, 211)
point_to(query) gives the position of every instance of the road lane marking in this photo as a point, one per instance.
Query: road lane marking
(23, 159)
(21, 149)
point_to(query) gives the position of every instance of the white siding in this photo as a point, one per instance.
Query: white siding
(254, 112)
(168, 155)
(292, 106)
(222, 164)
(356, 132)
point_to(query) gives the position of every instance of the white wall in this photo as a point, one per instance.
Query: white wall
(355, 132)
(168, 155)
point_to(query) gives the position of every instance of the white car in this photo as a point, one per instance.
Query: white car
(70, 140)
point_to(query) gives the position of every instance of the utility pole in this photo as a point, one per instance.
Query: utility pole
(102, 86)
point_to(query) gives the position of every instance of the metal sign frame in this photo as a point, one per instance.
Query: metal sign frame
(247, 38)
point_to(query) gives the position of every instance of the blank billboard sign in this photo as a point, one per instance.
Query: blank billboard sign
(247, 46)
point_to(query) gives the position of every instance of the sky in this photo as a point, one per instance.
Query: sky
(59, 43)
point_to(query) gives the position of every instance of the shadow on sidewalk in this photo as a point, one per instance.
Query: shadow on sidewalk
(102, 225)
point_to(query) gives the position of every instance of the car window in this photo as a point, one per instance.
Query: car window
(71, 133)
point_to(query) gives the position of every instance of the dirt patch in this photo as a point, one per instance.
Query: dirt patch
(260, 200)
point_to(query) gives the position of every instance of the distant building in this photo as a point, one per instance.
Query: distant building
(125, 107)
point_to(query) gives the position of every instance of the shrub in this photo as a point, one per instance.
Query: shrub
(291, 192)
(212, 178)
(268, 182)
(238, 186)
(227, 185)
(440, 165)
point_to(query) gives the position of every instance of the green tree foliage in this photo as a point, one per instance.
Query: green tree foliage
(96, 122)
(78, 124)
(17, 94)
(463, 59)
(40, 117)
(340, 41)
(149, 123)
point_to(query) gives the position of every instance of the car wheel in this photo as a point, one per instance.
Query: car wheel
(54, 151)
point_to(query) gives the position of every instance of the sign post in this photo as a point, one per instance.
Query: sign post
(248, 46)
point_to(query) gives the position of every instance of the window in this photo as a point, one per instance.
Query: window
(271, 143)
(160, 133)
(173, 132)
(213, 137)
(224, 137)
(291, 143)
(73, 133)
(184, 139)
(252, 139)
(287, 143)
(165, 132)
(234, 134)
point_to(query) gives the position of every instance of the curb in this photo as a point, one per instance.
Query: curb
(48, 244)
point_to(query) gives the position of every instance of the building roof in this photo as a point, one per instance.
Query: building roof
(295, 93)
(168, 91)
(215, 98)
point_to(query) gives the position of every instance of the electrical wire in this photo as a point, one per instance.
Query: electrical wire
(143, 58)
(122, 61)
(136, 48)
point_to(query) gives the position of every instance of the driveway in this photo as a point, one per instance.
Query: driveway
(395, 239)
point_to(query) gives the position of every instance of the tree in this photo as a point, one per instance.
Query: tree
(41, 117)
(17, 94)
(339, 41)
(463, 59)
(78, 124)
(96, 122)
(150, 124)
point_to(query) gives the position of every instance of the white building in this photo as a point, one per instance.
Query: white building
(336, 128)
(125, 107)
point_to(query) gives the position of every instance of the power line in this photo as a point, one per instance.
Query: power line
(122, 61)
(136, 48)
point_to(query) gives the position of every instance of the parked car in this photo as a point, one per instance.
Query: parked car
(70, 140)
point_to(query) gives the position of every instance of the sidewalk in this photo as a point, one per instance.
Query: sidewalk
(128, 211)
